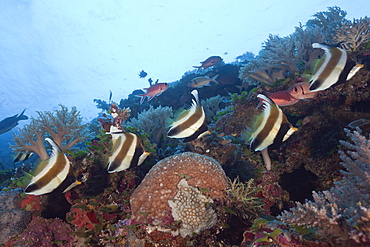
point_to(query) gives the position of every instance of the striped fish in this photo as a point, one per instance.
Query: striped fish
(191, 124)
(127, 151)
(55, 175)
(270, 127)
(329, 68)
(22, 156)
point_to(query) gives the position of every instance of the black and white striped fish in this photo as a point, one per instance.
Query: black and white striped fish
(22, 156)
(127, 151)
(54, 174)
(329, 68)
(270, 127)
(191, 124)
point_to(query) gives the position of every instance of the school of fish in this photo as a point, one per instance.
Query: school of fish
(269, 128)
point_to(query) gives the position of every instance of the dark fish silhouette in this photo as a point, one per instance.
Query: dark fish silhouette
(10, 122)
(209, 62)
(142, 74)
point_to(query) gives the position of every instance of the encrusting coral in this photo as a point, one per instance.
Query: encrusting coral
(192, 208)
(152, 200)
(63, 126)
(341, 215)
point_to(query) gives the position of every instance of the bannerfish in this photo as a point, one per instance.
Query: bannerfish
(191, 123)
(127, 152)
(270, 127)
(202, 81)
(10, 122)
(153, 91)
(54, 175)
(22, 156)
(209, 62)
(299, 91)
(329, 68)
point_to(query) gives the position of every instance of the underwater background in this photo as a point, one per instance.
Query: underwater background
(258, 135)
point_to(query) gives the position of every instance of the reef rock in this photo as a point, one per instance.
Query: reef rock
(181, 187)
(13, 220)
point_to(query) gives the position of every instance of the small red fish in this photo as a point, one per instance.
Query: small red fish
(153, 91)
(293, 94)
(209, 62)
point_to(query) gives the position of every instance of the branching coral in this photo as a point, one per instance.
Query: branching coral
(341, 214)
(64, 126)
(153, 122)
(294, 52)
(329, 21)
(354, 33)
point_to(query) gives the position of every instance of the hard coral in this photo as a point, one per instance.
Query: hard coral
(65, 127)
(191, 207)
(152, 121)
(160, 185)
(341, 214)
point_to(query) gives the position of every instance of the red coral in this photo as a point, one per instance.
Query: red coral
(83, 219)
(31, 203)
(109, 217)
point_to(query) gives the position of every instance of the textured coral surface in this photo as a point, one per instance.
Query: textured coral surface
(151, 197)
(192, 208)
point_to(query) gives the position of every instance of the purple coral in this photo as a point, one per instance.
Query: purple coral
(44, 233)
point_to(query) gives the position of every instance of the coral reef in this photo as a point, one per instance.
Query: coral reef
(214, 191)
(211, 106)
(193, 209)
(293, 53)
(44, 232)
(153, 122)
(150, 201)
(63, 126)
(13, 219)
(341, 215)
(354, 34)
(119, 115)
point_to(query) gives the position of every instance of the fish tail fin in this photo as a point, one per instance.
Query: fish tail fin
(21, 116)
(214, 79)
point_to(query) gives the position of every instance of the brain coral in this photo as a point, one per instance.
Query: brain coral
(160, 187)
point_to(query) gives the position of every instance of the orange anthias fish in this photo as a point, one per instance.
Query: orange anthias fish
(153, 91)
(293, 94)
(209, 62)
